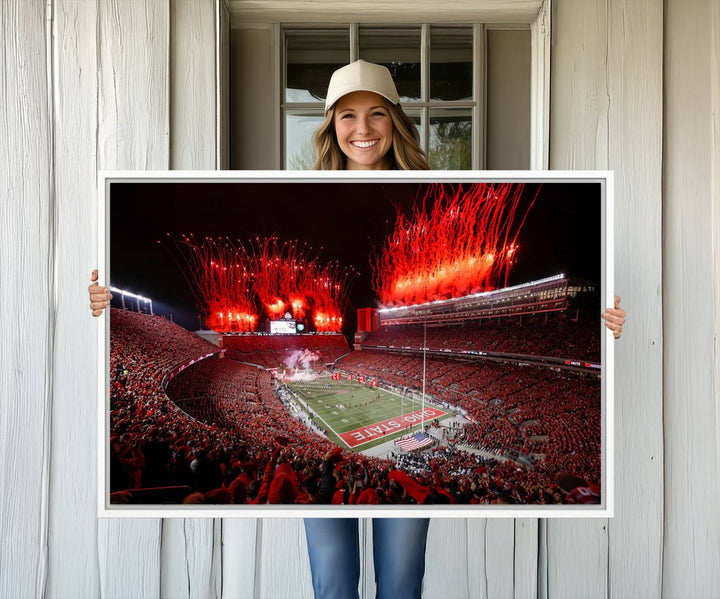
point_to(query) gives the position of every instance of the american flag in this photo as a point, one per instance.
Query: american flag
(417, 441)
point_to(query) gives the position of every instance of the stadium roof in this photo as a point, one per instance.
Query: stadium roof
(544, 295)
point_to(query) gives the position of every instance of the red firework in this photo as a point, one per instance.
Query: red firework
(328, 295)
(280, 270)
(234, 282)
(220, 276)
(464, 244)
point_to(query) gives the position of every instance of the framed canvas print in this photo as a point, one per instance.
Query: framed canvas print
(356, 344)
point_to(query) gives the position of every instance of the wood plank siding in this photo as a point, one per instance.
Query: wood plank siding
(143, 84)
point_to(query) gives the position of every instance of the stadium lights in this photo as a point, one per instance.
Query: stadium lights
(135, 296)
(482, 294)
(131, 294)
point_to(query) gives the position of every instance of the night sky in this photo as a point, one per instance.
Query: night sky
(561, 233)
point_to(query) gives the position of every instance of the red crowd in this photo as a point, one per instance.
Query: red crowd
(223, 435)
(552, 417)
(554, 335)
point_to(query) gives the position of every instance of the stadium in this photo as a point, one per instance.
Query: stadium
(490, 396)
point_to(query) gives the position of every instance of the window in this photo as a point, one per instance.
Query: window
(436, 69)
(467, 87)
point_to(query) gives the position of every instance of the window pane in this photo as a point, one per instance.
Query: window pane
(299, 150)
(450, 139)
(398, 50)
(415, 118)
(311, 58)
(451, 55)
(508, 100)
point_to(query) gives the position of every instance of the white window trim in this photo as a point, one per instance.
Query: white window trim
(540, 89)
(384, 11)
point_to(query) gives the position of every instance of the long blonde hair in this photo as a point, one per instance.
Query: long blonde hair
(405, 154)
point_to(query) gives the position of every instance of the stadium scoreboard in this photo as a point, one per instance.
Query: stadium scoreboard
(282, 327)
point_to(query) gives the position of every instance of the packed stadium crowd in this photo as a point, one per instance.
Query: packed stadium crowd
(274, 351)
(226, 437)
(552, 335)
(513, 410)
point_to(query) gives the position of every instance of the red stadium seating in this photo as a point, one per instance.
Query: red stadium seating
(510, 405)
(274, 351)
(552, 335)
(218, 435)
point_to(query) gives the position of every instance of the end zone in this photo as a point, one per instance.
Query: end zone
(372, 432)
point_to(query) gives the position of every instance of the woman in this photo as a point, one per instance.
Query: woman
(365, 129)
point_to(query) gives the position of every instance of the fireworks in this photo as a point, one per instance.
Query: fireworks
(235, 282)
(455, 240)
(464, 243)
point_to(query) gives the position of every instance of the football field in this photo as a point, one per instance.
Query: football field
(359, 416)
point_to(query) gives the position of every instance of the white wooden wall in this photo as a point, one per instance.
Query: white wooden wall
(691, 302)
(132, 85)
(606, 113)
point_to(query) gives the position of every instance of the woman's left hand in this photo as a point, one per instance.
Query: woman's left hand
(615, 318)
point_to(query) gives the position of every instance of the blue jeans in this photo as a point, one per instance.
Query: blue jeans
(398, 551)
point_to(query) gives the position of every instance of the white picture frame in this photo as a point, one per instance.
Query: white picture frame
(604, 224)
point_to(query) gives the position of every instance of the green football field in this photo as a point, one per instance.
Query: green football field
(358, 416)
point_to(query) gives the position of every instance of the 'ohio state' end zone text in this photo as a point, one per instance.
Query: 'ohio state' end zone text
(365, 434)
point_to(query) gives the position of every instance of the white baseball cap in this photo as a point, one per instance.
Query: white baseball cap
(361, 76)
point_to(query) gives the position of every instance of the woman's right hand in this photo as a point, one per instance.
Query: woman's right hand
(99, 296)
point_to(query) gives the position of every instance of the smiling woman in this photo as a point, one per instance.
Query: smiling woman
(365, 128)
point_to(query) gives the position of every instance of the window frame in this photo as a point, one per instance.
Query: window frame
(475, 106)
(539, 22)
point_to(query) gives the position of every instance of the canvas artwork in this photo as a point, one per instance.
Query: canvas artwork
(341, 346)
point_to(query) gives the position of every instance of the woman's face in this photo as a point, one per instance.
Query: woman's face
(364, 130)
